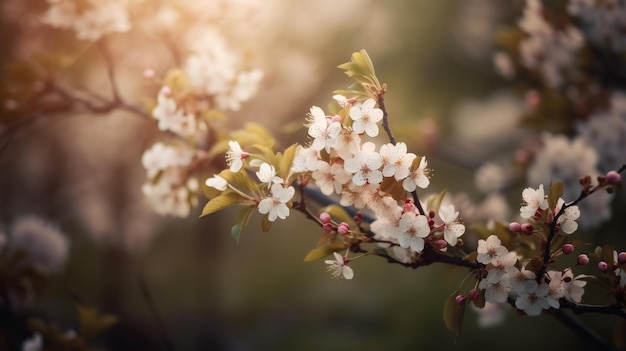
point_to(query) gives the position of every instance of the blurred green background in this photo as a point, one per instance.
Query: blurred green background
(84, 173)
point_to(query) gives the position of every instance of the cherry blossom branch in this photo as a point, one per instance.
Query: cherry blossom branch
(578, 308)
(584, 193)
(392, 140)
(429, 256)
(108, 60)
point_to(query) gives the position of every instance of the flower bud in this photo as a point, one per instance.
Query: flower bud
(603, 266)
(324, 217)
(515, 227)
(582, 260)
(328, 227)
(460, 299)
(473, 295)
(441, 244)
(568, 249)
(166, 91)
(409, 206)
(527, 228)
(621, 258)
(612, 177)
(343, 228)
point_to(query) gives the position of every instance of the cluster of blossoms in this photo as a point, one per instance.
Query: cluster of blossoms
(603, 22)
(340, 163)
(212, 82)
(171, 188)
(90, 19)
(507, 276)
(215, 70)
(545, 48)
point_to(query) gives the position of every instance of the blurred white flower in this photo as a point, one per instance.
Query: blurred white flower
(46, 246)
(33, 344)
(90, 19)
(339, 268)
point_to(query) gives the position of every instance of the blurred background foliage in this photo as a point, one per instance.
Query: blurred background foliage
(84, 173)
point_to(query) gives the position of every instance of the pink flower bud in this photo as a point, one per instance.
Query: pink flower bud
(431, 214)
(441, 244)
(473, 295)
(582, 260)
(568, 249)
(621, 258)
(603, 266)
(459, 299)
(527, 228)
(324, 217)
(148, 73)
(409, 206)
(613, 177)
(343, 228)
(515, 227)
(335, 118)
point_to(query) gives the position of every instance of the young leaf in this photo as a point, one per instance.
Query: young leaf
(221, 202)
(265, 224)
(92, 323)
(241, 220)
(324, 250)
(555, 192)
(339, 213)
(453, 314)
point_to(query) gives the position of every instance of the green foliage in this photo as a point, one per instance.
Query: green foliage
(324, 250)
(361, 69)
(241, 221)
(93, 323)
(221, 202)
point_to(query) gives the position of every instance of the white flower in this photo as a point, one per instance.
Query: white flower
(338, 267)
(92, 21)
(172, 118)
(217, 182)
(567, 221)
(161, 157)
(47, 247)
(366, 117)
(533, 200)
(488, 249)
(235, 156)
(275, 205)
(365, 166)
(535, 300)
(520, 280)
(33, 344)
(323, 130)
(452, 229)
(491, 315)
(331, 178)
(412, 229)
(396, 160)
(267, 174)
(417, 178)
(348, 144)
(494, 292)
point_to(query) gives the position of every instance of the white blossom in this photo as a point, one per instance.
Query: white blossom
(331, 178)
(33, 344)
(396, 160)
(412, 229)
(533, 200)
(338, 267)
(235, 156)
(488, 249)
(452, 228)
(365, 166)
(217, 182)
(418, 177)
(47, 248)
(366, 117)
(275, 206)
(534, 301)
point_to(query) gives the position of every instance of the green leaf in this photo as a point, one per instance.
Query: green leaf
(241, 220)
(286, 161)
(92, 323)
(324, 250)
(453, 314)
(221, 202)
(555, 192)
(339, 214)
